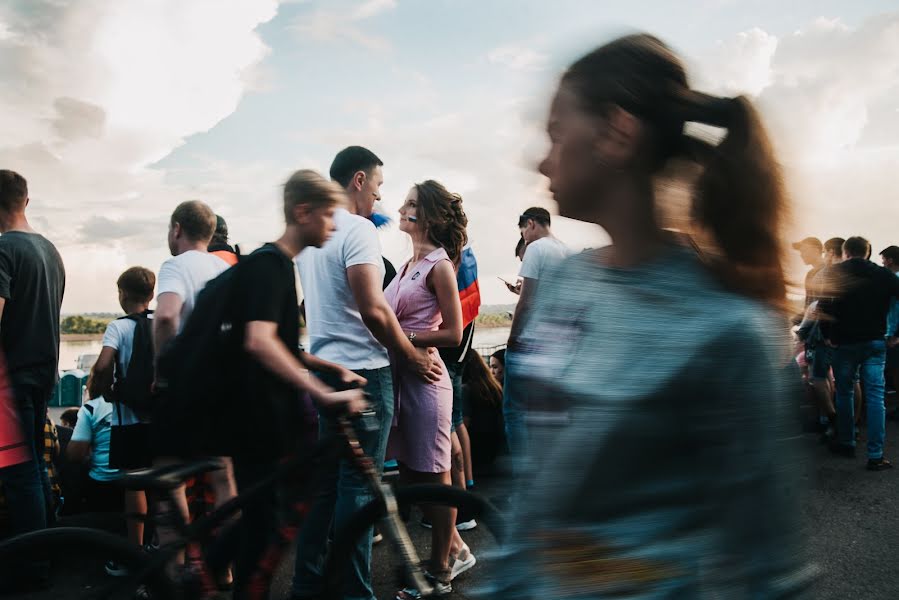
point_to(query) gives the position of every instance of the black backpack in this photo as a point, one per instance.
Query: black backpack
(198, 369)
(135, 389)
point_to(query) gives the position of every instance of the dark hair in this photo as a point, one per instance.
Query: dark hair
(519, 247)
(69, 415)
(739, 198)
(481, 385)
(308, 187)
(350, 161)
(857, 247)
(500, 355)
(220, 236)
(13, 190)
(441, 216)
(196, 219)
(534, 213)
(891, 252)
(835, 245)
(137, 283)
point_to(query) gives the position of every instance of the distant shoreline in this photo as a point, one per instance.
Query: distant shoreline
(81, 337)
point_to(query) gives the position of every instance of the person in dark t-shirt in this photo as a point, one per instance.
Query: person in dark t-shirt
(32, 281)
(272, 377)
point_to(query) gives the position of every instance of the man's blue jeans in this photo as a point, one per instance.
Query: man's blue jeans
(866, 358)
(515, 406)
(344, 493)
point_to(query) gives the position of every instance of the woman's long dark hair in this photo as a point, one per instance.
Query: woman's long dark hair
(480, 381)
(441, 216)
(739, 199)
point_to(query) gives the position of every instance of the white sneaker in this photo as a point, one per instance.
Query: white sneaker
(466, 525)
(463, 561)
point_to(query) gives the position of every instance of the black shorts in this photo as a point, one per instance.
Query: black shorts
(130, 446)
(103, 496)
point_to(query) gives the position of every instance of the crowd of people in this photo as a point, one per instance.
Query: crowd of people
(643, 395)
(849, 335)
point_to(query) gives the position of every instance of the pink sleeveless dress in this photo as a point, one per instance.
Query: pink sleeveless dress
(420, 437)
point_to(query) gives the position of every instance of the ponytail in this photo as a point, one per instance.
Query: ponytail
(739, 199)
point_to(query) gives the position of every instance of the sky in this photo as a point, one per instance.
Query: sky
(116, 111)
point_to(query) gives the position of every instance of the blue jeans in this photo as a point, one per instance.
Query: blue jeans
(514, 411)
(867, 359)
(26, 485)
(342, 495)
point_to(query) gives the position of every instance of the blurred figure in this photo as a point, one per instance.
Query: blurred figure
(833, 252)
(810, 250)
(889, 257)
(658, 399)
(483, 396)
(219, 246)
(498, 365)
(520, 247)
(544, 252)
(857, 332)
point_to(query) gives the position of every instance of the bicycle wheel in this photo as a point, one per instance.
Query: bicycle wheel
(77, 557)
(387, 571)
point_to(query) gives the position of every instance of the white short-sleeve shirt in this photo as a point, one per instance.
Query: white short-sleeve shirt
(336, 330)
(187, 274)
(541, 255)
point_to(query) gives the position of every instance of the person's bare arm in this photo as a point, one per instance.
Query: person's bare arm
(78, 452)
(103, 372)
(347, 377)
(365, 282)
(166, 320)
(261, 341)
(442, 279)
(528, 287)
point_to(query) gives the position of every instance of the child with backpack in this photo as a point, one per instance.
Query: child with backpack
(123, 374)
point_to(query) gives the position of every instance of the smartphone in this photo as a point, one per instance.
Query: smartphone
(506, 282)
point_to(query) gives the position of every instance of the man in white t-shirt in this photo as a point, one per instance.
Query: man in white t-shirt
(183, 276)
(179, 281)
(543, 252)
(351, 324)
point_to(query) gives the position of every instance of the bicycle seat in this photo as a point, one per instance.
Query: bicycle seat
(168, 477)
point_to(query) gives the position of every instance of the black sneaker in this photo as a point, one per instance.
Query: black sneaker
(842, 449)
(879, 464)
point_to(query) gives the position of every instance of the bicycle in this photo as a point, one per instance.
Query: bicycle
(147, 572)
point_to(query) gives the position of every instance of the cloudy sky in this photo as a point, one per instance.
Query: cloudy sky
(116, 111)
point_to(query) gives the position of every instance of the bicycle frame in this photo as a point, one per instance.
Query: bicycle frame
(302, 488)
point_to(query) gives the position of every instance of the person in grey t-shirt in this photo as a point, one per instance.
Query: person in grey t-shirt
(32, 282)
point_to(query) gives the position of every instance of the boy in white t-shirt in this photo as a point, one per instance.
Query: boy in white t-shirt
(135, 287)
(543, 252)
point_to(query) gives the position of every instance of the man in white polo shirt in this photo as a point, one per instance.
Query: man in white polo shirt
(543, 252)
(351, 324)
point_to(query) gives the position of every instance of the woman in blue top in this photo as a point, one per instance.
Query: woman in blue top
(656, 363)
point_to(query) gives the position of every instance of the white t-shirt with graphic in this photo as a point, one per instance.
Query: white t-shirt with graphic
(336, 330)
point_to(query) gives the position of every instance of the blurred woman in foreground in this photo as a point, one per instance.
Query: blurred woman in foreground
(656, 362)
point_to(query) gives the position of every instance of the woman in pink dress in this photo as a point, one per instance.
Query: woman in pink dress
(425, 299)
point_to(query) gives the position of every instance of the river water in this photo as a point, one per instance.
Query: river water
(485, 339)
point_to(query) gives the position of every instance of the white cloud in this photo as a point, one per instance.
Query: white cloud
(518, 57)
(342, 21)
(827, 92)
(96, 91)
